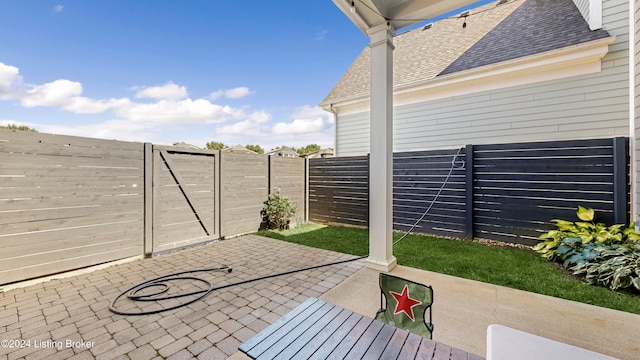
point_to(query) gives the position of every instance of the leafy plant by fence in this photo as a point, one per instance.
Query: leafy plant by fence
(278, 210)
(603, 255)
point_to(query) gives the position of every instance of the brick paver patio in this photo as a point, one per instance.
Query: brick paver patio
(70, 319)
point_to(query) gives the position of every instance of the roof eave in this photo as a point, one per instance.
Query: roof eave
(592, 50)
(583, 52)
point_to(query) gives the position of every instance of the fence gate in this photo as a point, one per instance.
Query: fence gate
(184, 206)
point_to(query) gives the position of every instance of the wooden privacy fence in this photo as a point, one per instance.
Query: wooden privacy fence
(506, 192)
(69, 202)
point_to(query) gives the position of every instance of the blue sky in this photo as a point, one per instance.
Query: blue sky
(165, 71)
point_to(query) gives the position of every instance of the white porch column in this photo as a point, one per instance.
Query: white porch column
(381, 148)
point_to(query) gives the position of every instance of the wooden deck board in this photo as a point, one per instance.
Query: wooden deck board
(336, 337)
(411, 346)
(365, 341)
(320, 330)
(427, 350)
(392, 351)
(260, 342)
(325, 334)
(352, 337)
(380, 343)
(443, 352)
(319, 320)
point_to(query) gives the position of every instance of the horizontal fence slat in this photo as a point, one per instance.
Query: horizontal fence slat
(338, 190)
(516, 189)
(62, 192)
(9, 273)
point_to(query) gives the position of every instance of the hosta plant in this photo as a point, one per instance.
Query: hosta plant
(570, 239)
(617, 268)
(573, 251)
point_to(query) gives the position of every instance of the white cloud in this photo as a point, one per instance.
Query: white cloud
(55, 93)
(238, 128)
(168, 104)
(157, 114)
(58, 8)
(168, 91)
(65, 94)
(260, 116)
(309, 125)
(307, 111)
(84, 105)
(9, 77)
(253, 125)
(183, 111)
(111, 129)
(235, 93)
(299, 126)
(307, 119)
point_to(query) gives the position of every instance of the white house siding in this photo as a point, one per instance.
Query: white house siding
(352, 134)
(580, 107)
(586, 106)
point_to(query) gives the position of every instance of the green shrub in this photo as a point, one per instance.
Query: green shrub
(603, 255)
(15, 127)
(571, 239)
(573, 251)
(278, 210)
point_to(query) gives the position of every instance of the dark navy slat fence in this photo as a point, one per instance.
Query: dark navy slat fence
(505, 192)
(417, 178)
(339, 190)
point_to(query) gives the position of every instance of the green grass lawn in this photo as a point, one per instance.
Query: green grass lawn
(507, 266)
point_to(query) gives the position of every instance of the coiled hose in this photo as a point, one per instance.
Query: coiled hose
(161, 285)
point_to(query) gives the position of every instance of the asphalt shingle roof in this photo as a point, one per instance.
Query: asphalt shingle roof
(494, 33)
(537, 26)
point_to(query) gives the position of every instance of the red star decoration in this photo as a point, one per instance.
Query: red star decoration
(404, 303)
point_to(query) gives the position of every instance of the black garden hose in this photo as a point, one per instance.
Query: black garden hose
(454, 165)
(161, 283)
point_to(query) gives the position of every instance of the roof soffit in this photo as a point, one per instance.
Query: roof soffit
(400, 13)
